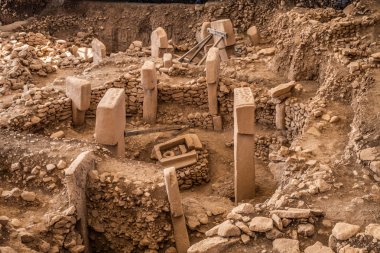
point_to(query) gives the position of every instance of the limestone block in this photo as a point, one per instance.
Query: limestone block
(224, 25)
(79, 90)
(98, 50)
(149, 75)
(212, 65)
(281, 89)
(253, 35)
(344, 231)
(217, 122)
(244, 111)
(286, 246)
(168, 60)
(212, 96)
(293, 213)
(110, 117)
(159, 38)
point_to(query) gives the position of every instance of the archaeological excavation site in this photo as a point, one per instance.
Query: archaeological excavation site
(225, 126)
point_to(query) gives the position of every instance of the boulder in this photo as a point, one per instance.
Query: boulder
(344, 231)
(261, 224)
(227, 229)
(281, 89)
(373, 230)
(253, 35)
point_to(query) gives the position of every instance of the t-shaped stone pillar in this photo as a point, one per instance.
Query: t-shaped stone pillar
(110, 121)
(244, 144)
(212, 78)
(226, 46)
(159, 42)
(98, 50)
(79, 90)
(149, 84)
(179, 224)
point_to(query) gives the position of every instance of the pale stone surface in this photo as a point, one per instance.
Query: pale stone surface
(7, 250)
(98, 50)
(159, 40)
(306, 230)
(148, 75)
(375, 167)
(149, 83)
(244, 110)
(281, 89)
(227, 229)
(211, 245)
(110, 118)
(245, 208)
(370, 154)
(343, 231)
(79, 90)
(261, 224)
(318, 248)
(244, 144)
(224, 25)
(277, 221)
(254, 35)
(293, 213)
(286, 246)
(168, 60)
(28, 196)
(179, 223)
(373, 230)
(212, 65)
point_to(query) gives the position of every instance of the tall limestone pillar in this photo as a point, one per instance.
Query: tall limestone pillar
(244, 144)
(149, 84)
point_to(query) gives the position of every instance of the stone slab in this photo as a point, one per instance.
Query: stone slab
(110, 117)
(281, 89)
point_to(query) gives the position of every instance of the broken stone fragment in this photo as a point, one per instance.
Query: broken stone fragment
(57, 135)
(28, 196)
(261, 224)
(344, 231)
(244, 208)
(286, 246)
(373, 230)
(227, 229)
(281, 89)
(318, 248)
(293, 213)
(212, 245)
(306, 230)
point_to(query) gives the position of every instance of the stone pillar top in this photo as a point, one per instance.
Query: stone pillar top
(110, 117)
(159, 38)
(244, 111)
(79, 90)
(148, 75)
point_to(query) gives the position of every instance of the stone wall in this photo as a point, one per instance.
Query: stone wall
(44, 106)
(295, 119)
(127, 216)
